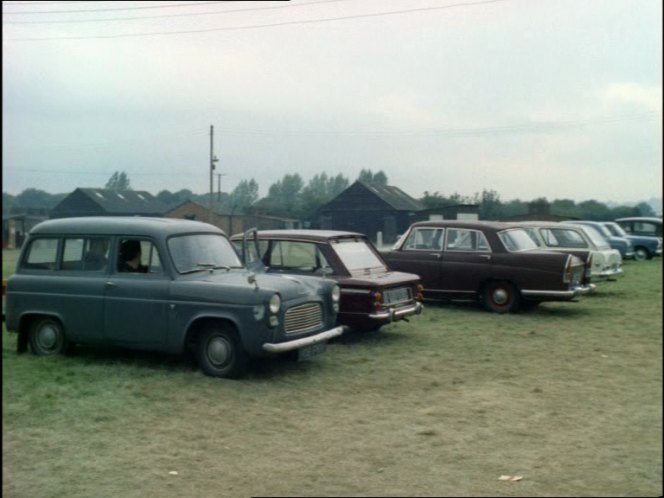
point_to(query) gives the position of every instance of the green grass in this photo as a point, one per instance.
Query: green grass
(569, 396)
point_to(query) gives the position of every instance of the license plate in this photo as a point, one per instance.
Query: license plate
(308, 351)
(397, 295)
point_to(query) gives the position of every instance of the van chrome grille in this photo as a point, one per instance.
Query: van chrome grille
(303, 317)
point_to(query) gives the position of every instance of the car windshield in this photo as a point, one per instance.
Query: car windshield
(616, 229)
(202, 252)
(597, 238)
(516, 239)
(357, 255)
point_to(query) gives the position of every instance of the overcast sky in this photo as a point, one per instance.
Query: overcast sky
(550, 98)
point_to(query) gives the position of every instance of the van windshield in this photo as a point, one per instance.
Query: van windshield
(196, 252)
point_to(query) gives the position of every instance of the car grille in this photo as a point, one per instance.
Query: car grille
(303, 317)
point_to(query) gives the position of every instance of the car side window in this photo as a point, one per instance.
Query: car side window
(645, 228)
(463, 239)
(299, 256)
(424, 239)
(138, 256)
(85, 254)
(41, 254)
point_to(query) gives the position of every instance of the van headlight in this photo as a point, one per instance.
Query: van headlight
(336, 294)
(274, 304)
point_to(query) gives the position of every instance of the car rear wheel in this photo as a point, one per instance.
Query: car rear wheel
(220, 353)
(641, 254)
(47, 337)
(500, 297)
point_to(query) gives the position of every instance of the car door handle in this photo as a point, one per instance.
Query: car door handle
(111, 284)
(437, 254)
(485, 256)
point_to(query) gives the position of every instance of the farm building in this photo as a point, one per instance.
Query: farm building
(103, 202)
(370, 209)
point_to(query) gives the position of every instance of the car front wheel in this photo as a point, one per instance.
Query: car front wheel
(220, 353)
(641, 254)
(47, 337)
(500, 297)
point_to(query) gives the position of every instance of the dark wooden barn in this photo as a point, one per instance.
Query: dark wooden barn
(371, 210)
(102, 202)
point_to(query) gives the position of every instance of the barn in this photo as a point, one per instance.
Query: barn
(381, 212)
(103, 202)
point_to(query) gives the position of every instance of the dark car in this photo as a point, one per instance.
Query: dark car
(490, 262)
(644, 247)
(642, 225)
(163, 285)
(371, 294)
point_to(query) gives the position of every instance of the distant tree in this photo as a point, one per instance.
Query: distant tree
(33, 198)
(645, 209)
(174, 198)
(284, 196)
(7, 202)
(244, 194)
(320, 190)
(593, 210)
(371, 178)
(489, 205)
(118, 182)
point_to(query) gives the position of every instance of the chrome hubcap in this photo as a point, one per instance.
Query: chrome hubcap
(500, 296)
(48, 337)
(219, 351)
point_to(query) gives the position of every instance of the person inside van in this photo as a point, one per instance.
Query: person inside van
(130, 257)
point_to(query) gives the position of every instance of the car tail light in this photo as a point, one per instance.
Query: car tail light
(589, 266)
(378, 299)
(567, 276)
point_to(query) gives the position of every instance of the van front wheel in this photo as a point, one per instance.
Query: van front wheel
(220, 353)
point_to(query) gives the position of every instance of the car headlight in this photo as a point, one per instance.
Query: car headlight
(336, 294)
(275, 304)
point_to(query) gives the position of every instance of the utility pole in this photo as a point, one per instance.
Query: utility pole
(213, 160)
(219, 175)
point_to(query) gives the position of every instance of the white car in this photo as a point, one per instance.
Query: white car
(606, 263)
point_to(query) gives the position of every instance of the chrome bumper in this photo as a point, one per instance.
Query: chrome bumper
(607, 274)
(282, 347)
(393, 314)
(559, 295)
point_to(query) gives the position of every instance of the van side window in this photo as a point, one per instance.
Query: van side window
(138, 256)
(85, 254)
(41, 254)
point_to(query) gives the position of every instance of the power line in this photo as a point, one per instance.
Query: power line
(271, 25)
(142, 7)
(186, 14)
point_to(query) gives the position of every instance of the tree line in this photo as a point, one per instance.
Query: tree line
(293, 198)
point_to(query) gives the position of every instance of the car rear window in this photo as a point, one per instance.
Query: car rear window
(357, 255)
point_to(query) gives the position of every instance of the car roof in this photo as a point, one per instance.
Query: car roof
(303, 234)
(641, 218)
(126, 225)
(494, 225)
(545, 224)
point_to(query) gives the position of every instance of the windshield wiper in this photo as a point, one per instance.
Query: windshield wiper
(206, 266)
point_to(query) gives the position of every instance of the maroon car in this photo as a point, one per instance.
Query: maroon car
(490, 262)
(371, 294)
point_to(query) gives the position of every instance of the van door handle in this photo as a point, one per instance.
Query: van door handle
(111, 284)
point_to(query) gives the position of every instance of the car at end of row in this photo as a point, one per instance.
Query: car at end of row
(492, 263)
(371, 294)
(645, 247)
(165, 285)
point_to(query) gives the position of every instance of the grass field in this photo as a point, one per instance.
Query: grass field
(568, 396)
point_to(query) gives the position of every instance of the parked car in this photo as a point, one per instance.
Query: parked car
(371, 294)
(620, 243)
(603, 262)
(163, 285)
(490, 262)
(642, 225)
(644, 247)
